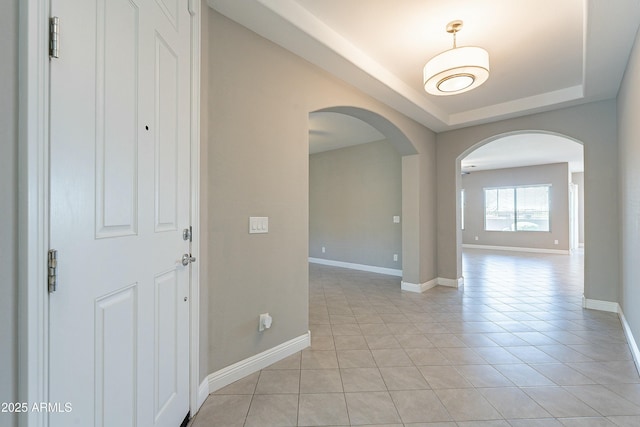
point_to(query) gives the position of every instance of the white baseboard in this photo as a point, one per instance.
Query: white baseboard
(451, 283)
(633, 344)
(518, 249)
(203, 393)
(361, 267)
(419, 287)
(438, 281)
(226, 376)
(614, 307)
(594, 304)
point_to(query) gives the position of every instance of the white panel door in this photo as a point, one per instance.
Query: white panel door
(120, 197)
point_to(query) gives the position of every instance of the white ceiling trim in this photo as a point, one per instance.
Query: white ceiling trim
(282, 22)
(308, 37)
(514, 108)
(290, 25)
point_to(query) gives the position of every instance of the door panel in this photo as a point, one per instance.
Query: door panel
(117, 90)
(167, 342)
(170, 9)
(119, 144)
(116, 365)
(166, 92)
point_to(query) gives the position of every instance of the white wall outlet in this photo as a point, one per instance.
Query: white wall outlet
(324, 249)
(258, 224)
(395, 257)
(555, 242)
(396, 219)
(476, 237)
(265, 322)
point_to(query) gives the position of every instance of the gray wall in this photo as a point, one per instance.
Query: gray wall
(629, 173)
(594, 125)
(354, 193)
(257, 164)
(419, 233)
(578, 179)
(555, 174)
(9, 206)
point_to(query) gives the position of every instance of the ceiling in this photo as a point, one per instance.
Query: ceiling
(330, 131)
(525, 150)
(544, 54)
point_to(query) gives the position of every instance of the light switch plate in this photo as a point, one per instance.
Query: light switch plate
(258, 224)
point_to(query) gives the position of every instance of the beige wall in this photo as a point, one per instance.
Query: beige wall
(259, 98)
(354, 193)
(594, 125)
(555, 174)
(629, 174)
(9, 206)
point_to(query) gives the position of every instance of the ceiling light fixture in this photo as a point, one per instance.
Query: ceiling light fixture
(456, 70)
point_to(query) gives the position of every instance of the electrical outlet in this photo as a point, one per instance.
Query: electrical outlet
(395, 257)
(265, 322)
(476, 237)
(555, 242)
(324, 249)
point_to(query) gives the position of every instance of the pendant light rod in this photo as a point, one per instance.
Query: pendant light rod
(452, 28)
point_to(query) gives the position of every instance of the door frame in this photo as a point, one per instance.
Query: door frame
(33, 206)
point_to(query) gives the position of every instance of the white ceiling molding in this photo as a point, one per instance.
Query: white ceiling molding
(606, 30)
(532, 104)
(282, 22)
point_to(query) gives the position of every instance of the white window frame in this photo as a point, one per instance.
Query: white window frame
(515, 207)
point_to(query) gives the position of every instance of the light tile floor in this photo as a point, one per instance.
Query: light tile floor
(513, 348)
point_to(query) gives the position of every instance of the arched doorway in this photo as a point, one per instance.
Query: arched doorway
(355, 189)
(520, 192)
(593, 126)
(406, 218)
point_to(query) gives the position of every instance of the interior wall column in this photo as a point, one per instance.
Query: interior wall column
(410, 219)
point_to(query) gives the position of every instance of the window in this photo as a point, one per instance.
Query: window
(523, 208)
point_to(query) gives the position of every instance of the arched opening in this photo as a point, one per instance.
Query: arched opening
(356, 178)
(390, 131)
(521, 193)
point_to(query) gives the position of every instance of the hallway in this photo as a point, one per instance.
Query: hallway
(512, 348)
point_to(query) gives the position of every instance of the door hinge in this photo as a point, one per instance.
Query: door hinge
(54, 36)
(52, 268)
